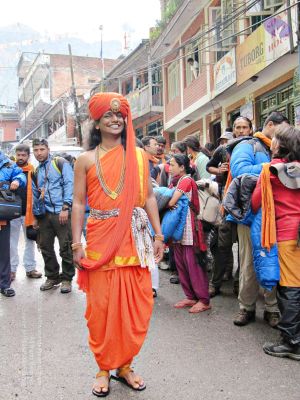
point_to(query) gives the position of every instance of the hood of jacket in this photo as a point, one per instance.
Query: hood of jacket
(3, 159)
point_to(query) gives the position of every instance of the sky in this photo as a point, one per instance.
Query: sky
(83, 18)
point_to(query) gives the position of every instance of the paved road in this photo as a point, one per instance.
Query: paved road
(44, 352)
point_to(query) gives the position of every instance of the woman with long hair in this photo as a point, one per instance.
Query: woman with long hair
(192, 275)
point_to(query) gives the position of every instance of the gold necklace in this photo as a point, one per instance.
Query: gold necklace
(113, 194)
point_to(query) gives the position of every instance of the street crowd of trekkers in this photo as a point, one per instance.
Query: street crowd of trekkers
(244, 194)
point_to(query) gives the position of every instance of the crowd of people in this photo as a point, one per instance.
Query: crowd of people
(137, 206)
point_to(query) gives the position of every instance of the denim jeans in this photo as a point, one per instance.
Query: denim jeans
(29, 261)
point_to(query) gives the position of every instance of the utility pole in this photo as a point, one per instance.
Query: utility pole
(74, 97)
(102, 59)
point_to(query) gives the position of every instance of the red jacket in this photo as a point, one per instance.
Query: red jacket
(287, 207)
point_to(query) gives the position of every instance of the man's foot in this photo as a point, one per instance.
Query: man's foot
(213, 291)
(66, 287)
(185, 303)
(101, 386)
(8, 292)
(244, 317)
(174, 279)
(128, 377)
(34, 274)
(12, 276)
(199, 307)
(154, 292)
(282, 349)
(272, 318)
(50, 284)
(163, 265)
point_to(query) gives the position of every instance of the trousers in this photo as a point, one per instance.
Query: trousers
(50, 228)
(248, 285)
(5, 256)
(192, 276)
(29, 261)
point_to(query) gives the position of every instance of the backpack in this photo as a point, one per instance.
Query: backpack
(257, 145)
(210, 205)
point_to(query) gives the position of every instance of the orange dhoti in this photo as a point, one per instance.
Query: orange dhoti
(119, 293)
(119, 307)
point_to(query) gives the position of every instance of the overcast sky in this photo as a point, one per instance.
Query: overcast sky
(83, 18)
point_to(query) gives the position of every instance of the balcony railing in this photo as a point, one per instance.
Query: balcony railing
(38, 104)
(143, 101)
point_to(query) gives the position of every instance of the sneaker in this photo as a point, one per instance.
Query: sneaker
(34, 274)
(154, 292)
(272, 318)
(66, 287)
(244, 317)
(213, 291)
(8, 292)
(12, 276)
(282, 349)
(163, 266)
(49, 284)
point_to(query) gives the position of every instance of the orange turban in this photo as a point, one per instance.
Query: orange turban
(99, 104)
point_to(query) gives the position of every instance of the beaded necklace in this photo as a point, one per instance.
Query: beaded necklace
(113, 194)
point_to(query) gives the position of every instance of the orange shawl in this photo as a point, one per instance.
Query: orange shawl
(29, 215)
(268, 225)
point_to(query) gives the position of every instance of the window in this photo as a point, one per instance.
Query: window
(1, 134)
(228, 26)
(193, 60)
(139, 133)
(215, 22)
(173, 80)
(262, 10)
(155, 128)
(272, 3)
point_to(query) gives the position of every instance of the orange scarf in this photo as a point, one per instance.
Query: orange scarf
(268, 225)
(29, 214)
(152, 158)
(266, 140)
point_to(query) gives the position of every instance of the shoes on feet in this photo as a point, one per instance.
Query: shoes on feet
(154, 292)
(213, 291)
(66, 287)
(272, 318)
(244, 317)
(12, 276)
(163, 265)
(174, 279)
(34, 274)
(282, 349)
(8, 292)
(49, 284)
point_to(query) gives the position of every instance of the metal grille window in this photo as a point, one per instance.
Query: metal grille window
(155, 128)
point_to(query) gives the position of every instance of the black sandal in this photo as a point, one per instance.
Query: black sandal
(120, 378)
(8, 292)
(102, 394)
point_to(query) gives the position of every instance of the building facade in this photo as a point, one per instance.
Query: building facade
(10, 129)
(46, 92)
(225, 58)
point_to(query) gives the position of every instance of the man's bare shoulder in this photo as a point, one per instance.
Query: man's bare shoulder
(86, 159)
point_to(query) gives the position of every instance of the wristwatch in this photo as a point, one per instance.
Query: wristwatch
(65, 207)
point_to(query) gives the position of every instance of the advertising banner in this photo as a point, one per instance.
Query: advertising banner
(224, 72)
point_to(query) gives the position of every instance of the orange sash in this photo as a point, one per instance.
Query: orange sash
(268, 226)
(29, 215)
(100, 232)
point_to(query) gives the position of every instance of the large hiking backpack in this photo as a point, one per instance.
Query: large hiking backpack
(210, 205)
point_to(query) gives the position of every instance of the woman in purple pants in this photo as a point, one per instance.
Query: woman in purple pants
(192, 276)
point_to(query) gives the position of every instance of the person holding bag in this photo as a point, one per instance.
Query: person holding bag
(15, 178)
(187, 252)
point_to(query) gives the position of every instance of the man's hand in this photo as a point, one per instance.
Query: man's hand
(224, 168)
(35, 224)
(14, 185)
(158, 247)
(63, 217)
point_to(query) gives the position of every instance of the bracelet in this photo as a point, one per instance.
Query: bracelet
(75, 246)
(159, 237)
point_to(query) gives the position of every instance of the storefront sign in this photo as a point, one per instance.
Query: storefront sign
(266, 44)
(247, 110)
(225, 73)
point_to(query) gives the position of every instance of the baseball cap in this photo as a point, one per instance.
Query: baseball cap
(225, 135)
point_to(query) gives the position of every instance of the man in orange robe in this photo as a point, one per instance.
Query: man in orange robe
(114, 268)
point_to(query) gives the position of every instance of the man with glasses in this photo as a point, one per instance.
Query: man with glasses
(53, 194)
